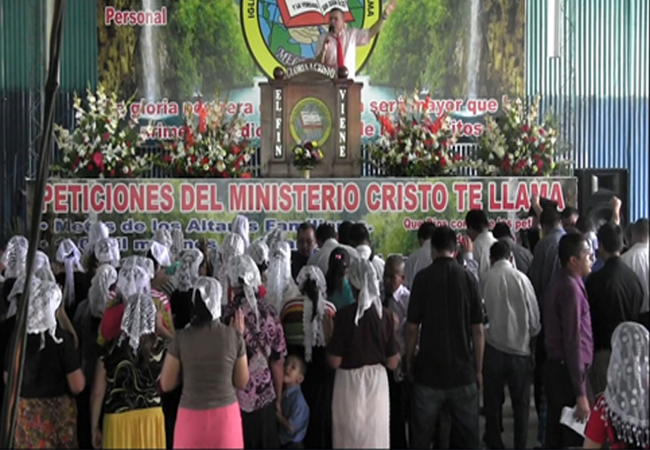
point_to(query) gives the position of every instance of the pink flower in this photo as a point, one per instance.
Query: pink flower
(98, 159)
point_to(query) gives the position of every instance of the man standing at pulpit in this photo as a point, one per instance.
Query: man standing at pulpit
(337, 48)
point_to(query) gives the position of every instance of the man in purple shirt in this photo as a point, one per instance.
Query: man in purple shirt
(568, 340)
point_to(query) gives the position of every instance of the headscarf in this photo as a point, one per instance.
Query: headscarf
(42, 267)
(160, 253)
(163, 237)
(240, 226)
(17, 290)
(278, 277)
(98, 295)
(259, 251)
(15, 257)
(188, 271)
(313, 323)
(139, 319)
(107, 251)
(211, 293)
(45, 299)
(626, 395)
(275, 236)
(69, 255)
(243, 272)
(178, 244)
(231, 246)
(96, 233)
(135, 276)
(363, 277)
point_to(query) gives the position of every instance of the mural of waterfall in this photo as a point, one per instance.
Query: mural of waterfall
(474, 53)
(148, 51)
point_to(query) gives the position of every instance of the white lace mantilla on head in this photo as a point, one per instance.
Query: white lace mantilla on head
(232, 245)
(69, 255)
(135, 276)
(107, 251)
(278, 277)
(243, 272)
(313, 323)
(259, 251)
(626, 395)
(364, 278)
(45, 299)
(275, 236)
(100, 289)
(211, 293)
(17, 290)
(240, 226)
(160, 253)
(163, 237)
(178, 244)
(139, 319)
(15, 257)
(187, 272)
(42, 267)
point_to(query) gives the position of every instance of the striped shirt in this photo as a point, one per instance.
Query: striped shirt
(291, 317)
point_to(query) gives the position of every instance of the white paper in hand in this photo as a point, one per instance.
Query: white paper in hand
(568, 419)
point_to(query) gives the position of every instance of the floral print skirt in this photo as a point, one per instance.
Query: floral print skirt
(46, 423)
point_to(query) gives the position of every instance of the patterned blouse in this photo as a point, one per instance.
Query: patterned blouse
(131, 383)
(262, 347)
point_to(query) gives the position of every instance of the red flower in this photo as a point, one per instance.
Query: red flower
(525, 128)
(542, 147)
(457, 157)
(167, 158)
(443, 161)
(405, 160)
(113, 172)
(106, 136)
(90, 166)
(98, 159)
(205, 160)
(235, 150)
(245, 175)
(128, 144)
(193, 159)
(203, 116)
(542, 132)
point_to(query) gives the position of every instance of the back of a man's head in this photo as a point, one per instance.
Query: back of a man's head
(324, 232)
(610, 238)
(640, 231)
(502, 230)
(359, 234)
(443, 240)
(477, 220)
(344, 232)
(571, 245)
(500, 250)
(550, 217)
(425, 231)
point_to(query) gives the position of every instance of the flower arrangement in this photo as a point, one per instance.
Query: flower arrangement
(211, 145)
(413, 144)
(517, 143)
(306, 156)
(104, 142)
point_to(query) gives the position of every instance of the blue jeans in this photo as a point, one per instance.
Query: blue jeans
(463, 407)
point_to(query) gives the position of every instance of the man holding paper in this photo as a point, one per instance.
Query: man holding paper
(337, 48)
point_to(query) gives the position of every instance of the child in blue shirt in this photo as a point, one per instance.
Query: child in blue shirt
(295, 411)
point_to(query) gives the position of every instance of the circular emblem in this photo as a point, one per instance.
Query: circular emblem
(285, 32)
(310, 120)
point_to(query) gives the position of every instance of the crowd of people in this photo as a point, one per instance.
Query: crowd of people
(253, 345)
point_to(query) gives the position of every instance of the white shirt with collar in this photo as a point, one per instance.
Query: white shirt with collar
(398, 303)
(481, 250)
(417, 261)
(351, 38)
(636, 259)
(321, 257)
(512, 308)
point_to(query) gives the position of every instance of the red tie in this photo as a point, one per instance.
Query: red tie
(340, 60)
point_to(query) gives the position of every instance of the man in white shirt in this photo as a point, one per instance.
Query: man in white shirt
(514, 319)
(326, 239)
(637, 259)
(360, 239)
(478, 230)
(420, 258)
(338, 47)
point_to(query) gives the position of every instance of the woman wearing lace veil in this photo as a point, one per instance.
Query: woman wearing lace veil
(47, 415)
(241, 227)
(96, 233)
(126, 382)
(621, 414)
(72, 280)
(233, 245)
(363, 342)
(307, 322)
(209, 415)
(280, 285)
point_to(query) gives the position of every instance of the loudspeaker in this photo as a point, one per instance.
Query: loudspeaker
(596, 187)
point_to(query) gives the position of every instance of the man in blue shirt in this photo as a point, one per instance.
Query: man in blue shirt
(294, 417)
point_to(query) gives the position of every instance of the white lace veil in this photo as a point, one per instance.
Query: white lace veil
(243, 272)
(139, 319)
(313, 323)
(69, 255)
(96, 232)
(278, 277)
(160, 253)
(107, 251)
(135, 277)
(240, 226)
(259, 251)
(626, 395)
(211, 293)
(364, 278)
(163, 237)
(15, 257)
(232, 245)
(187, 272)
(42, 267)
(45, 299)
(99, 292)
(178, 244)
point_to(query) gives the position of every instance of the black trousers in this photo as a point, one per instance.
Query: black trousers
(500, 370)
(559, 393)
(170, 402)
(261, 428)
(399, 407)
(84, 425)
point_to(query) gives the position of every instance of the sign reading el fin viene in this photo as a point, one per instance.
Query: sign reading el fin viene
(393, 208)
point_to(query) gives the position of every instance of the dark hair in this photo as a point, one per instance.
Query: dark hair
(337, 10)
(310, 290)
(584, 225)
(338, 263)
(302, 365)
(571, 245)
(501, 249)
(426, 231)
(568, 212)
(358, 234)
(549, 217)
(147, 343)
(502, 230)
(444, 239)
(306, 226)
(324, 232)
(610, 238)
(345, 228)
(641, 228)
(476, 219)
(200, 315)
(156, 266)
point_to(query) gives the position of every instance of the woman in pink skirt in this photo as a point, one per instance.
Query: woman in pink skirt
(212, 359)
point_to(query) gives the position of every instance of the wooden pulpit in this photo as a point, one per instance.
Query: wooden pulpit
(310, 103)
